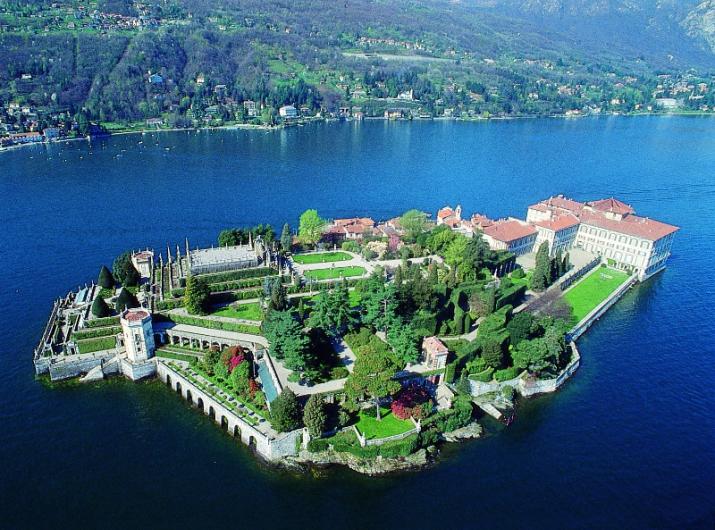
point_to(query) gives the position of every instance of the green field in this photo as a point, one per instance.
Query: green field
(250, 311)
(321, 257)
(389, 425)
(591, 291)
(337, 272)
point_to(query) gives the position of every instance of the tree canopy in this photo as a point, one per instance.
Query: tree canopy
(126, 300)
(100, 309)
(315, 417)
(287, 339)
(310, 228)
(285, 412)
(124, 270)
(372, 376)
(105, 280)
(196, 295)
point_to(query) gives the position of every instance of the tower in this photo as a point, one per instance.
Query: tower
(138, 334)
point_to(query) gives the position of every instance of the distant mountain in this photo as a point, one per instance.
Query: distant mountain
(668, 32)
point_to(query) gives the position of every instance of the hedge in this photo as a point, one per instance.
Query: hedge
(507, 373)
(511, 296)
(345, 442)
(214, 324)
(484, 376)
(96, 344)
(164, 305)
(217, 277)
(101, 322)
(96, 332)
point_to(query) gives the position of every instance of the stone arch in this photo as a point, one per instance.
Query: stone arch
(200, 403)
(178, 387)
(189, 397)
(224, 423)
(236, 431)
(168, 380)
(252, 442)
(212, 413)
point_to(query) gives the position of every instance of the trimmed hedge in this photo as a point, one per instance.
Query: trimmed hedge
(507, 373)
(485, 376)
(511, 296)
(96, 344)
(164, 305)
(101, 322)
(96, 332)
(217, 277)
(214, 324)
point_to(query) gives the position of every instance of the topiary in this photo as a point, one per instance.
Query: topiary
(105, 280)
(126, 300)
(100, 309)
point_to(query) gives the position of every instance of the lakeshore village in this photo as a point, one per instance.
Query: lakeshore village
(355, 342)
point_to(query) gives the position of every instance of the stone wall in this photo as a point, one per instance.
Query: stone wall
(75, 366)
(580, 328)
(270, 449)
(136, 371)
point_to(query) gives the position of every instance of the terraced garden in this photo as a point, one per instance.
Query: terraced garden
(587, 294)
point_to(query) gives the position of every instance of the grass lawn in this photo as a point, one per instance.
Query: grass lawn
(321, 257)
(337, 272)
(594, 289)
(389, 425)
(250, 311)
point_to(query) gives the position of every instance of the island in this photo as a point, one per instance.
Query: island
(355, 342)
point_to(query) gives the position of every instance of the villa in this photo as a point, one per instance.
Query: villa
(608, 228)
(511, 235)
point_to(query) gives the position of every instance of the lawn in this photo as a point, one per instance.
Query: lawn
(585, 296)
(389, 425)
(337, 272)
(321, 257)
(250, 311)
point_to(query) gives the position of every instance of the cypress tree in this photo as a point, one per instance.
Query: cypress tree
(565, 264)
(132, 277)
(105, 280)
(315, 416)
(100, 309)
(196, 295)
(542, 270)
(126, 300)
(286, 238)
(458, 322)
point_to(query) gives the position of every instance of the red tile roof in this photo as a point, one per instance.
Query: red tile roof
(560, 203)
(434, 346)
(509, 230)
(632, 225)
(611, 205)
(558, 223)
(367, 221)
(445, 212)
(135, 315)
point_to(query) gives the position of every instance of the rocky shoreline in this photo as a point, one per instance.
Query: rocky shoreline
(307, 461)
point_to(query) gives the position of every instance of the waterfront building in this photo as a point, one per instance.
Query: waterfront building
(354, 228)
(288, 112)
(220, 259)
(450, 217)
(512, 235)
(138, 335)
(608, 228)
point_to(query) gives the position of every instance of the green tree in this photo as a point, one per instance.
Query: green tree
(321, 316)
(239, 378)
(310, 228)
(315, 417)
(124, 270)
(125, 300)
(196, 295)
(100, 309)
(287, 339)
(105, 280)
(286, 238)
(343, 317)
(404, 342)
(520, 327)
(279, 298)
(542, 269)
(414, 223)
(285, 412)
(372, 376)
(493, 351)
(533, 355)
(455, 253)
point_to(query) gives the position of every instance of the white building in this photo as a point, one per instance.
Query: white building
(288, 112)
(608, 228)
(143, 262)
(138, 335)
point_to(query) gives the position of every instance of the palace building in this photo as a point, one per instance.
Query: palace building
(606, 227)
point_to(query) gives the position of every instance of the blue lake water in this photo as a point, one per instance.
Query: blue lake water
(628, 443)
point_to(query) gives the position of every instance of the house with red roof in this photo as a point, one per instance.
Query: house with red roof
(434, 353)
(512, 235)
(450, 217)
(354, 228)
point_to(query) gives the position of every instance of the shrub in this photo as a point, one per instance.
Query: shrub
(100, 309)
(508, 392)
(92, 333)
(101, 322)
(409, 402)
(105, 280)
(507, 373)
(339, 372)
(484, 376)
(518, 274)
(316, 445)
(240, 274)
(511, 296)
(126, 300)
(285, 412)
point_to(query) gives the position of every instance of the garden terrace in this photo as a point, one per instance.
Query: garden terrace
(388, 425)
(250, 311)
(321, 257)
(588, 293)
(336, 272)
(97, 344)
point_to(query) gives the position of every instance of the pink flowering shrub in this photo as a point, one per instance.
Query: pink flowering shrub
(413, 400)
